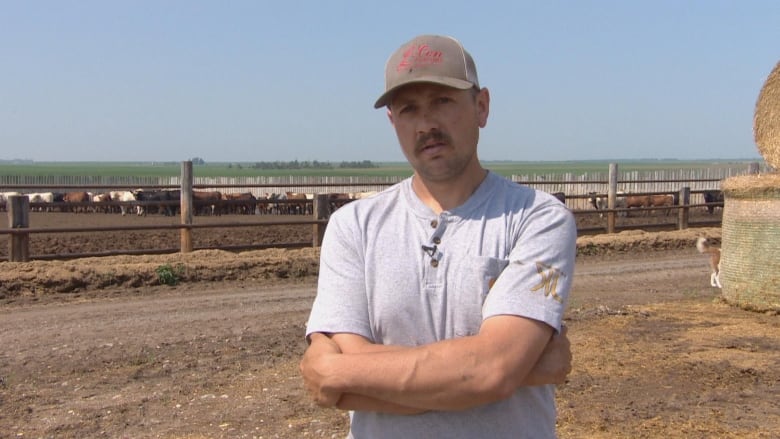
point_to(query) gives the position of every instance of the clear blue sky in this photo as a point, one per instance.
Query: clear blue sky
(286, 80)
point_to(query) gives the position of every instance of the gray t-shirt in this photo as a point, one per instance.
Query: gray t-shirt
(394, 272)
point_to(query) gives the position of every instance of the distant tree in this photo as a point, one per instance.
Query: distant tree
(357, 165)
(295, 164)
(198, 161)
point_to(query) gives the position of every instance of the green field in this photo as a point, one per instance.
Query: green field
(117, 169)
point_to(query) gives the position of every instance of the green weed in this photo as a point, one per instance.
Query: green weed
(168, 275)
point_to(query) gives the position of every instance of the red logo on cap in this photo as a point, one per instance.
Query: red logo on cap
(418, 56)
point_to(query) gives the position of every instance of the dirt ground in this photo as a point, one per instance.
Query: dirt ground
(99, 347)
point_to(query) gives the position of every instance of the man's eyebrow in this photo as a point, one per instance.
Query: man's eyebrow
(398, 102)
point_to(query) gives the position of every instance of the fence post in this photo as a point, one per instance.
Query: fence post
(19, 218)
(753, 168)
(186, 206)
(321, 211)
(611, 194)
(682, 213)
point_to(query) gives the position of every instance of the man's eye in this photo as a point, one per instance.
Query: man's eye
(406, 109)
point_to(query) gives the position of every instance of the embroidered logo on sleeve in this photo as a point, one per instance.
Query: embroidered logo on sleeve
(549, 281)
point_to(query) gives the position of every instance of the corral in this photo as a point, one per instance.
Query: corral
(97, 348)
(191, 200)
(259, 231)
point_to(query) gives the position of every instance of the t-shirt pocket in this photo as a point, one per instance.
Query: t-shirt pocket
(475, 278)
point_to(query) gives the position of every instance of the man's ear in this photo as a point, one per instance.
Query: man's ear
(390, 116)
(483, 106)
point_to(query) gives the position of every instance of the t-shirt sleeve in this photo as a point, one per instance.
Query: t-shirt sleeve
(341, 304)
(536, 282)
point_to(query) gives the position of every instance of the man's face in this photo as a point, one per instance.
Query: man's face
(438, 128)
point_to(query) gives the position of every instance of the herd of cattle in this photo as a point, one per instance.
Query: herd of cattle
(652, 202)
(167, 202)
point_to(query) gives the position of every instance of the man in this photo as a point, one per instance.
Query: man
(439, 299)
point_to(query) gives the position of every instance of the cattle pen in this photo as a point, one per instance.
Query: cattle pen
(324, 197)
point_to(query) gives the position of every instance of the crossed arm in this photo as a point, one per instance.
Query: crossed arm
(349, 372)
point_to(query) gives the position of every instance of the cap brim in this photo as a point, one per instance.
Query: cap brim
(449, 82)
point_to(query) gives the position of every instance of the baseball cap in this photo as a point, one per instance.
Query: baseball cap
(429, 58)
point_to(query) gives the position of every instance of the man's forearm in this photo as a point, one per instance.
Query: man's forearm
(551, 368)
(448, 375)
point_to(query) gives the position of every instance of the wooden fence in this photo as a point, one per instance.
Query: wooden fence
(577, 194)
(576, 187)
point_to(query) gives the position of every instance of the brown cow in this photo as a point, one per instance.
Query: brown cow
(205, 202)
(337, 200)
(647, 201)
(242, 203)
(636, 201)
(80, 199)
(663, 200)
(299, 205)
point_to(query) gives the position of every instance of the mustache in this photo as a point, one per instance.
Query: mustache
(437, 136)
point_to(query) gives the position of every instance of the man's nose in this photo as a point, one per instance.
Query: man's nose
(427, 122)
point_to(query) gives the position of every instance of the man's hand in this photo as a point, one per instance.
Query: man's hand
(315, 370)
(555, 363)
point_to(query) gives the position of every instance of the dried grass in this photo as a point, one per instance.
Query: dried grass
(752, 186)
(766, 121)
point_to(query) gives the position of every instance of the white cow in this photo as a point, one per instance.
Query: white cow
(100, 202)
(5, 196)
(601, 202)
(46, 198)
(361, 195)
(124, 197)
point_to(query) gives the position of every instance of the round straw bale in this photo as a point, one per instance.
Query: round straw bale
(750, 252)
(766, 121)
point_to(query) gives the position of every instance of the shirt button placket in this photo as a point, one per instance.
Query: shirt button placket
(436, 241)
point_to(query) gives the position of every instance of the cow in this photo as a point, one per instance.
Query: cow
(162, 201)
(126, 199)
(648, 201)
(299, 205)
(336, 200)
(269, 205)
(243, 203)
(593, 200)
(101, 202)
(77, 199)
(205, 202)
(601, 202)
(663, 200)
(713, 198)
(5, 197)
(560, 196)
(361, 195)
(637, 201)
(41, 201)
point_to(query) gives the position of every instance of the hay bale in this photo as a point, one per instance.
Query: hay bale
(750, 238)
(766, 121)
(750, 243)
(752, 186)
